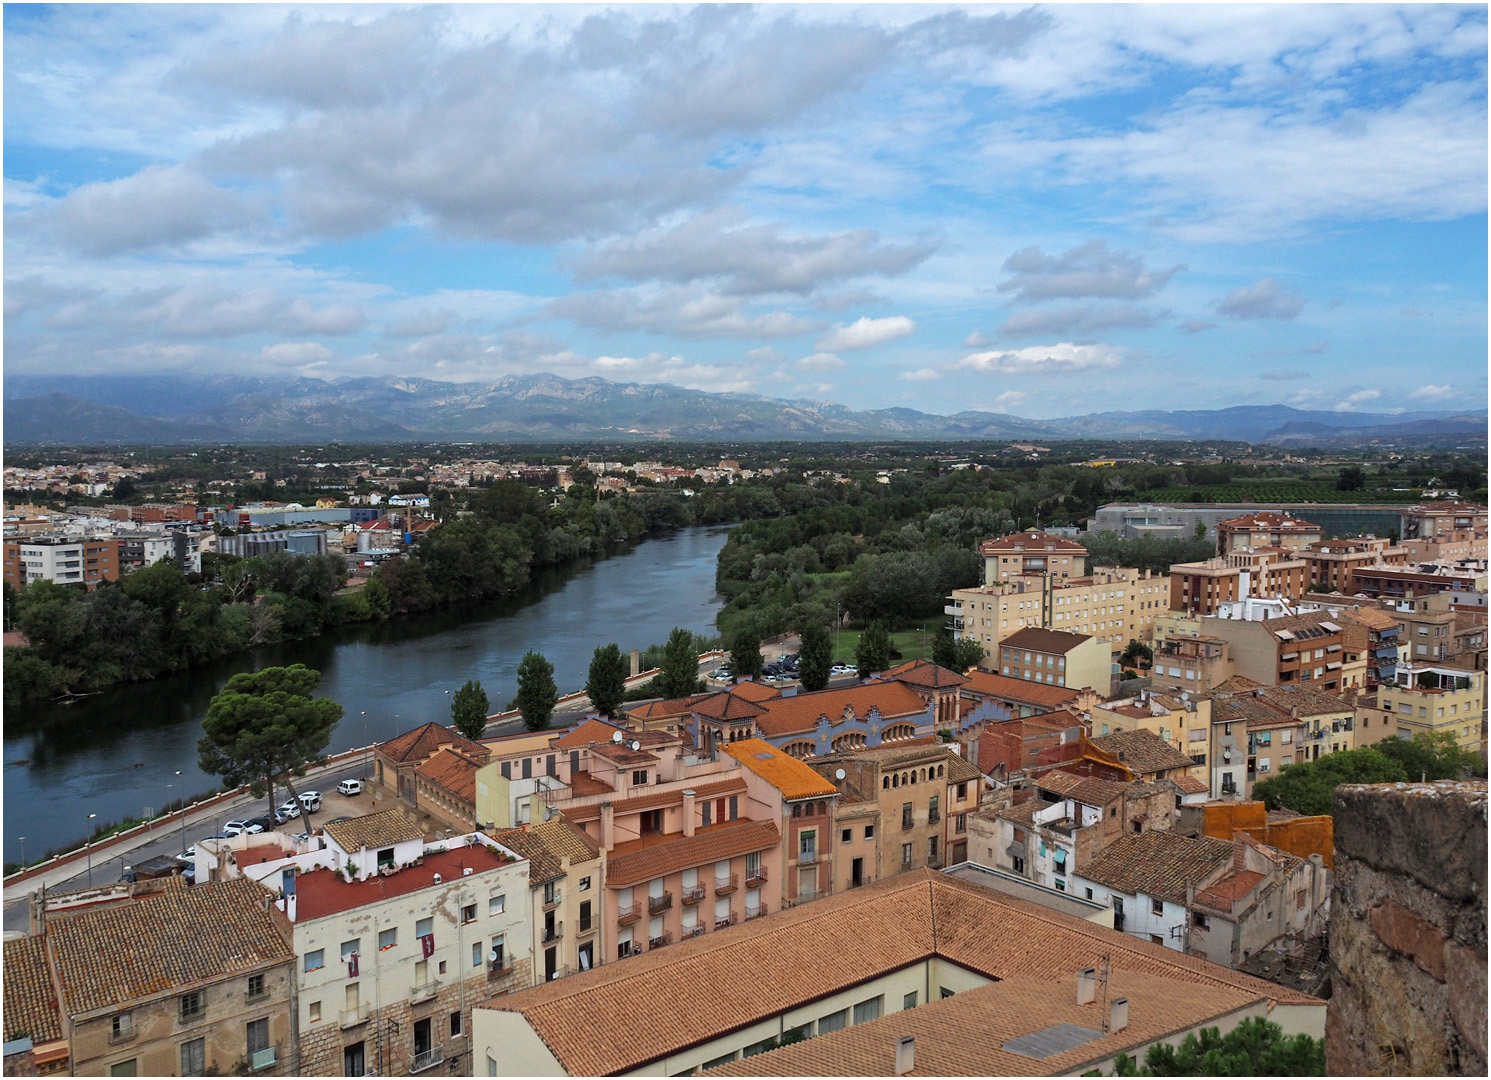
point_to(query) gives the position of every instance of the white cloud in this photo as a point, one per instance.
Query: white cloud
(925, 374)
(1011, 399)
(977, 340)
(1431, 392)
(680, 310)
(765, 355)
(866, 333)
(1088, 319)
(296, 354)
(1361, 397)
(822, 361)
(1261, 300)
(1196, 326)
(1089, 270)
(1283, 375)
(1042, 358)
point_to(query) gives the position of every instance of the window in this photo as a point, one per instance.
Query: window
(387, 939)
(1157, 906)
(723, 1059)
(945, 992)
(933, 810)
(962, 790)
(124, 1026)
(1299, 899)
(497, 905)
(385, 857)
(909, 1001)
(1017, 864)
(468, 914)
(931, 849)
(639, 777)
(315, 1011)
(905, 854)
(1089, 894)
(491, 1065)
(350, 948)
(476, 954)
(193, 1005)
(124, 1068)
(907, 819)
(256, 986)
(455, 1023)
(869, 832)
(585, 884)
(707, 812)
(194, 1057)
(846, 835)
(866, 1011)
(584, 915)
(833, 1022)
(734, 807)
(258, 1035)
(315, 960)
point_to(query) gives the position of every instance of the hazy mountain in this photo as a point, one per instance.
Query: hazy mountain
(212, 408)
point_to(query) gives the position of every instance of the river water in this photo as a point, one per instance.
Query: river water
(115, 753)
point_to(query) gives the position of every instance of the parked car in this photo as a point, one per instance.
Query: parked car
(237, 826)
(266, 822)
(189, 856)
(310, 801)
(350, 787)
(286, 810)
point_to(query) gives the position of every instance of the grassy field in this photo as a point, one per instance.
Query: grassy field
(1277, 490)
(912, 644)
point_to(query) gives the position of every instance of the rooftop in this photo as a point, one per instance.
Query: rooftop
(648, 857)
(1091, 790)
(754, 691)
(30, 1001)
(988, 684)
(1267, 519)
(1030, 541)
(791, 777)
(325, 892)
(926, 674)
(757, 970)
(424, 740)
(1142, 751)
(1158, 863)
(451, 770)
(383, 829)
(800, 713)
(1047, 641)
(163, 941)
(587, 731)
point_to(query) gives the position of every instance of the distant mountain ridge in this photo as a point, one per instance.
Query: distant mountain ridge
(538, 408)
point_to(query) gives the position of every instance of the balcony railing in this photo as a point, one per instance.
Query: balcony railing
(628, 914)
(656, 905)
(554, 932)
(722, 921)
(724, 886)
(587, 924)
(754, 877)
(755, 912)
(497, 969)
(665, 938)
(123, 1035)
(806, 895)
(692, 894)
(427, 1060)
(934, 816)
(696, 930)
(808, 857)
(630, 948)
(263, 1059)
(424, 991)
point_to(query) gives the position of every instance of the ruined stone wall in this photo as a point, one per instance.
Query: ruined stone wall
(1408, 931)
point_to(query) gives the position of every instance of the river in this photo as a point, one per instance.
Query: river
(115, 754)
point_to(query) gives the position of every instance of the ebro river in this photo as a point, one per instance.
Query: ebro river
(116, 753)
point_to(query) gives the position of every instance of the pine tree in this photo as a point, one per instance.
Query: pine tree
(873, 651)
(814, 657)
(468, 710)
(679, 674)
(606, 686)
(745, 656)
(537, 691)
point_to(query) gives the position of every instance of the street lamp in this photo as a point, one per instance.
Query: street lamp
(183, 815)
(23, 853)
(366, 746)
(88, 846)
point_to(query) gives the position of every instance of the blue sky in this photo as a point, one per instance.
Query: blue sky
(1035, 210)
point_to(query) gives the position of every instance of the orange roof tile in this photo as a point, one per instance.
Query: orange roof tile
(800, 713)
(791, 777)
(651, 857)
(1046, 641)
(988, 684)
(725, 706)
(925, 674)
(1159, 863)
(1030, 543)
(754, 691)
(1223, 894)
(453, 771)
(1142, 751)
(589, 730)
(424, 740)
(30, 1000)
(663, 710)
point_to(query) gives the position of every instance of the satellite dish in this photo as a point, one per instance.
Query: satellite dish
(616, 736)
(839, 774)
(636, 745)
(492, 956)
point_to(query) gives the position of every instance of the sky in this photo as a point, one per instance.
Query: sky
(1042, 211)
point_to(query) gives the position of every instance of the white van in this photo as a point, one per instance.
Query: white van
(311, 800)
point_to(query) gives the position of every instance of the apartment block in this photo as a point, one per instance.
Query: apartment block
(1266, 529)
(1031, 554)
(1444, 530)
(1332, 561)
(1190, 664)
(807, 803)
(1284, 650)
(1432, 698)
(566, 872)
(1200, 588)
(1419, 579)
(1057, 658)
(62, 561)
(1185, 724)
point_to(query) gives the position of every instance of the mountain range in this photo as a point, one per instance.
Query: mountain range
(182, 409)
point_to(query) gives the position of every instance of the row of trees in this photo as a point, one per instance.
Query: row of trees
(1307, 787)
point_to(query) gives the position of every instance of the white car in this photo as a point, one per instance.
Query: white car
(350, 787)
(287, 810)
(233, 828)
(189, 856)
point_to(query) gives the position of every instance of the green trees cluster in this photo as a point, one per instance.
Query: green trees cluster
(1256, 1047)
(872, 653)
(956, 655)
(1307, 787)
(814, 656)
(745, 657)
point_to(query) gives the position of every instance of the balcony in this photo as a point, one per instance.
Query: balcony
(754, 878)
(807, 895)
(665, 938)
(628, 914)
(628, 949)
(691, 894)
(498, 969)
(424, 992)
(586, 924)
(934, 816)
(722, 921)
(427, 1060)
(353, 1017)
(263, 1059)
(808, 857)
(656, 905)
(725, 886)
(551, 902)
(553, 932)
(696, 930)
(755, 912)
(123, 1035)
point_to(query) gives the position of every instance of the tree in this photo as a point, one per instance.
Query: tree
(537, 691)
(606, 686)
(1256, 1047)
(1351, 478)
(873, 651)
(1135, 651)
(264, 726)
(968, 653)
(468, 709)
(945, 649)
(814, 656)
(745, 656)
(680, 667)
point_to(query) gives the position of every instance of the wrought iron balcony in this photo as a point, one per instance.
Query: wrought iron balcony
(628, 914)
(722, 921)
(656, 905)
(724, 886)
(665, 938)
(691, 894)
(755, 912)
(427, 1060)
(754, 877)
(554, 932)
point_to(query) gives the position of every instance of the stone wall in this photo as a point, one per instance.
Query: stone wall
(1408, 931)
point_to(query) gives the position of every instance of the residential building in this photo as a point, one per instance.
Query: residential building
(1257, 731)
(1200, 588)
(1017, 696)
(1031, 554)
(1370, 637)
(874, 713)
(1185, 724)
(1437, 698)
(893, 945)
(566, 878)
(1057, 658)
(1181, 519)
(1266, 529)
(1287, 649)
(935, 685)
(84, 561)
(1328, 720)
(1140, 754)
(1218, 900)
(1183, 664)
(1443, 530)
(1373, 723)
(1419, 579)
(162, 980)
(1002, 749)
(1331, 562)
(1022, 888)
(34, 1041)
(431, 769)
(807, 804)
(295, 542)
(902, 808)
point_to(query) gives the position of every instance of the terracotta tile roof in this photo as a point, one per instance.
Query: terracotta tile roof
(925, 674)
(1265, 519)
(1189, 785)
(1258, 712)
(757, 970)
(1047, 641)
(791, 777)
(325, 892)
(664, 710)
(622, 754)
(1091, 790)
(1143, 751)
(1308, 700)
(678, 852)
(1031, 542)
(726, 706)
(799, 714)
(1225, 893)
(754, 691)
(587, 731)
(453, 771)
(1158, 863)
(176, 938)
(383, 829)
(543, 864)
(1236, 683)
(1001, 1013)
(1024, 814)
(424, 740)
(960, 769)
(30, 1000)
(565, 840)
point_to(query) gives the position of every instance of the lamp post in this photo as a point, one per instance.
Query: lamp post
(183, 816)
(366, 746)
(88, 846)
(23, 853)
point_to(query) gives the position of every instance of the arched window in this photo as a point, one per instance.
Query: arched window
(885, 783)
(941, 771)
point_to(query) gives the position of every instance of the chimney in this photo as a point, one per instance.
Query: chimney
(636, 663)
(905, 1054)
(1087, 986)
(688, 812)
(1118, 1015)
(608, 826)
